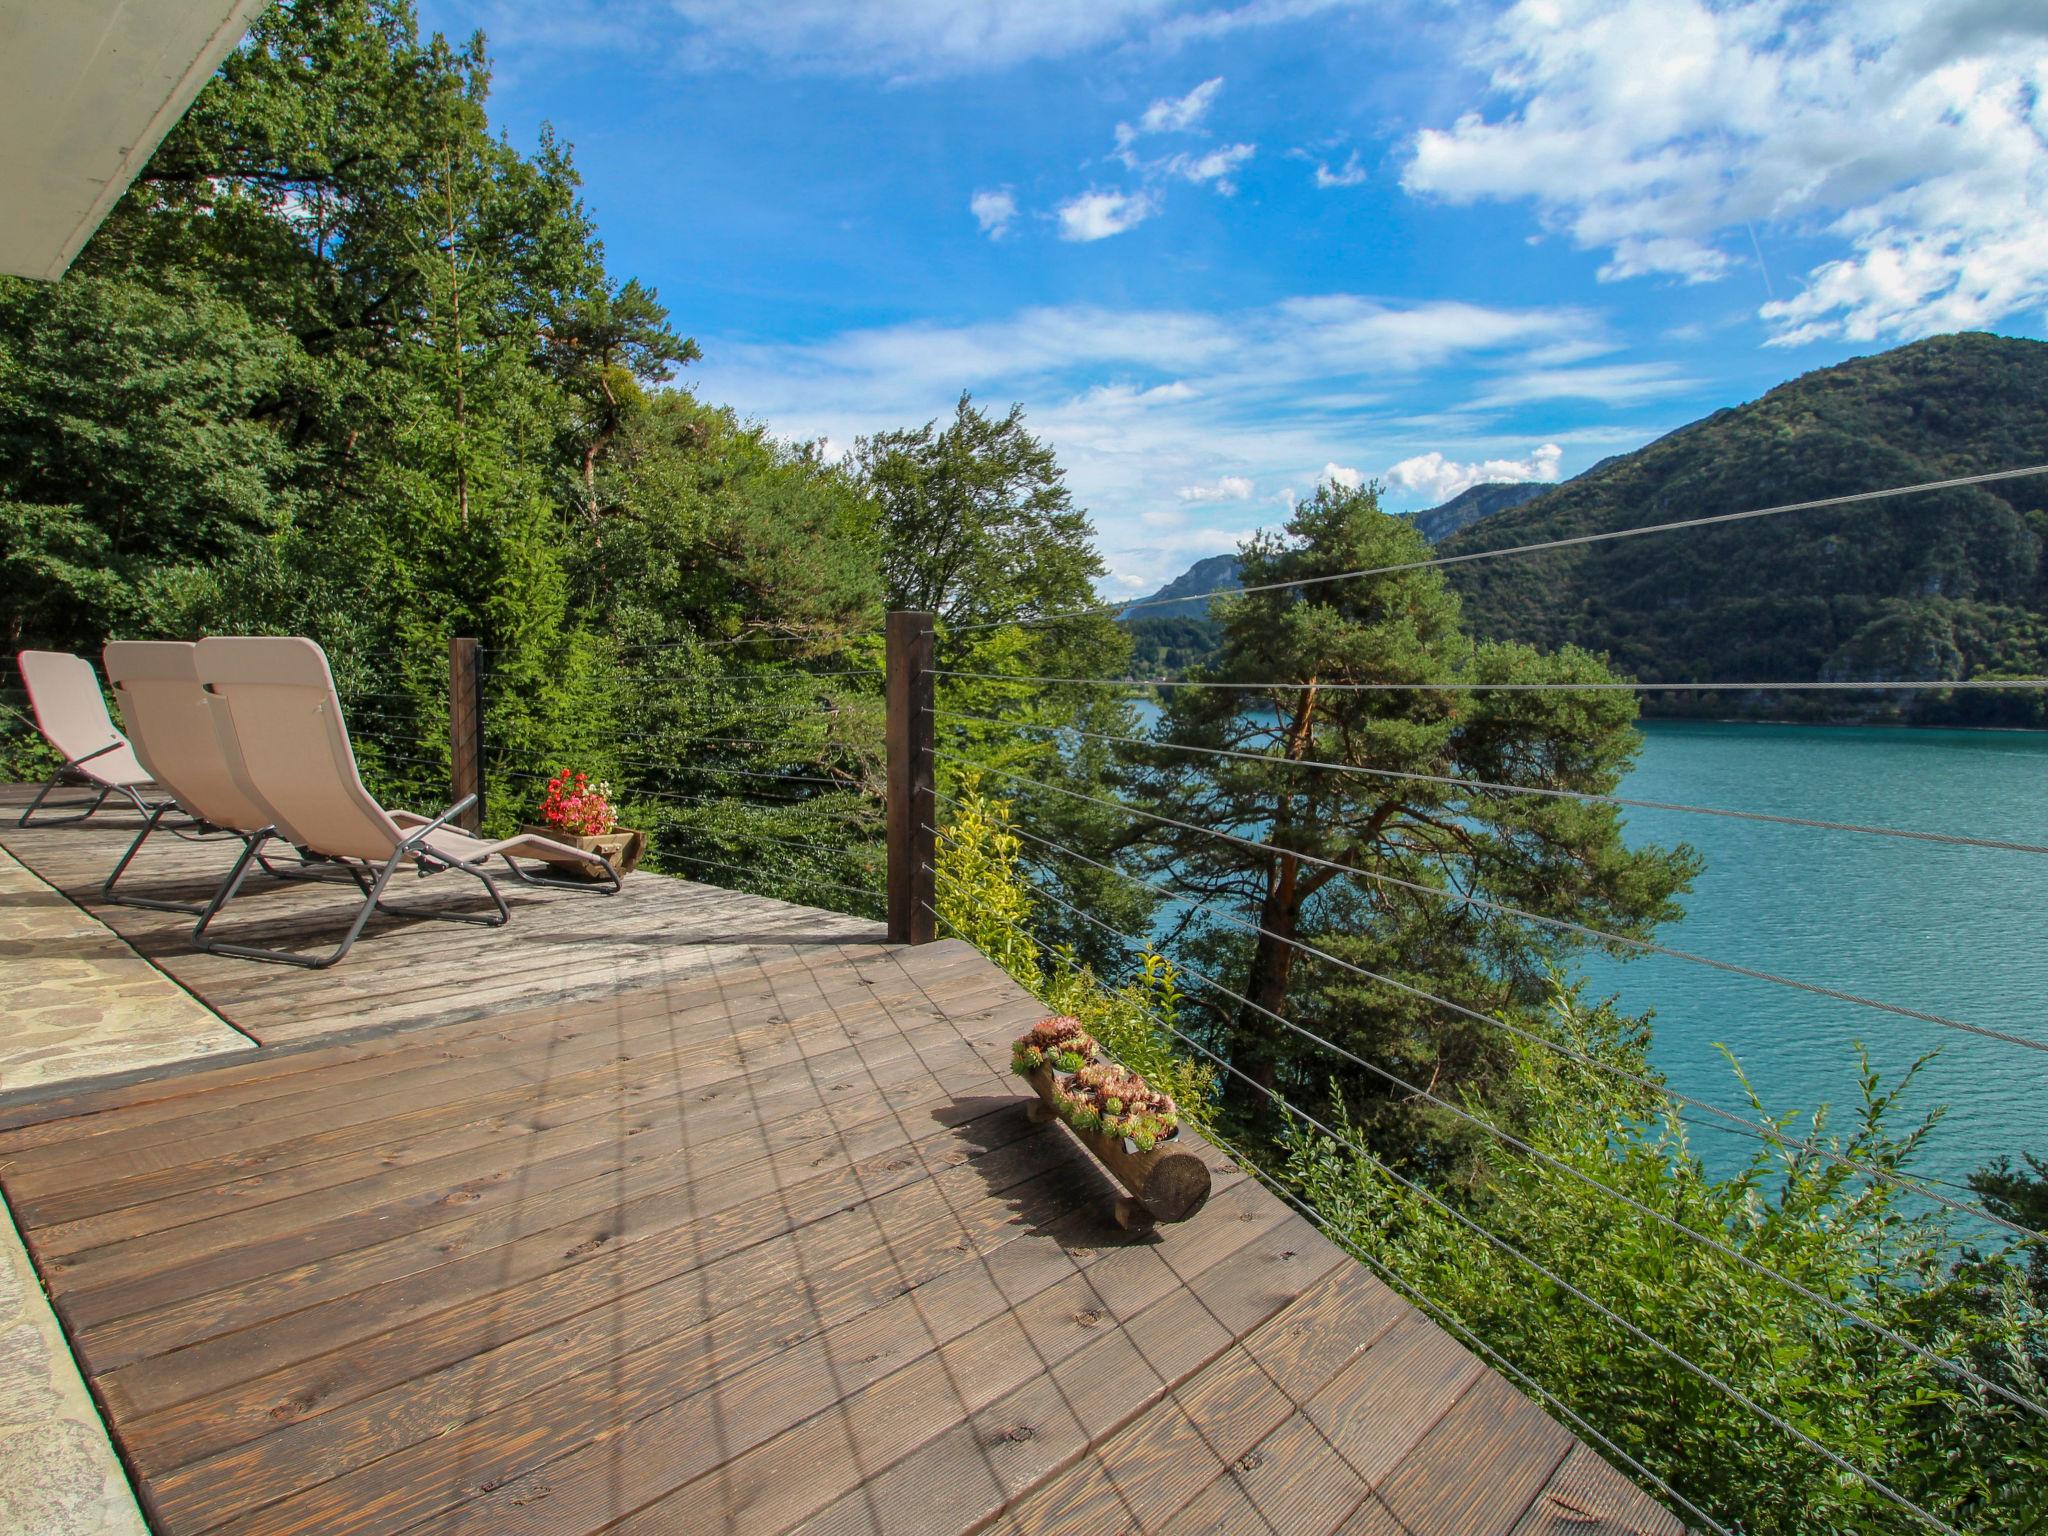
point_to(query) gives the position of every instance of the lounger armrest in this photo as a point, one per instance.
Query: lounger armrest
(413, 838)
(112, 746)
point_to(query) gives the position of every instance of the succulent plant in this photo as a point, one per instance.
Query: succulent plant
(1059, 1042)
(1108, 1098)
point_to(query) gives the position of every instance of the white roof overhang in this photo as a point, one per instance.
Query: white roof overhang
(88, 88)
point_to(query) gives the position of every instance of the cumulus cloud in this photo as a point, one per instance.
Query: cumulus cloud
(1097, 214)
(1203, 413)
(1223, 488)
(1344, 475)
(1440, 478)
(993, 211)
(1673, 135)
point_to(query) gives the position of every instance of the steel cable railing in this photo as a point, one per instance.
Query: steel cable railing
(1506, 1138)
(1601, 936)
(1434, 1309)
(1453, 781)
(2023, 684)
(1953, 482)
(1758, 1130)
(1729, 1389)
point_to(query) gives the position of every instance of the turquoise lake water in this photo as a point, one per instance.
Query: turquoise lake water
(1952, 931)
(1947, 930)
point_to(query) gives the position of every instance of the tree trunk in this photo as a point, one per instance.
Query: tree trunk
(1260, 1037)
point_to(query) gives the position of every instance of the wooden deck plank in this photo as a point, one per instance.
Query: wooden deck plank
(1585, 1498)
(1433, 1492)
(691, 1210)
(97, 1217)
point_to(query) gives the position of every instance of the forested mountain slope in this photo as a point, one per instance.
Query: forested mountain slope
(1947, 584)
(1474, 503)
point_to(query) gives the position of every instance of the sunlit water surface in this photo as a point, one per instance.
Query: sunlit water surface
(1952, 931)
(1959, 932)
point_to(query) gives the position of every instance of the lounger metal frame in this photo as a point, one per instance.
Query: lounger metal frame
(310, 868)
(414, 850)
(68, 774)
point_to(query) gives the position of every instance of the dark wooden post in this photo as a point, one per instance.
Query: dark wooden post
(466, 729)
(913, 801)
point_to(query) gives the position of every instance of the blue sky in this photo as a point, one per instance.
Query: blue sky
(1222, 248)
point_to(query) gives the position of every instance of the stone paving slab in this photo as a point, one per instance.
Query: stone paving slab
(76, 1002)
(58, 1473)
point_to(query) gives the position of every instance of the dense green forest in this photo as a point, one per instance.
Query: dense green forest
(1950, 584)
(343, 363)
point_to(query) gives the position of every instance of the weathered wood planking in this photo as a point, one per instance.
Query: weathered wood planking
(560, 947)
(689, 1211)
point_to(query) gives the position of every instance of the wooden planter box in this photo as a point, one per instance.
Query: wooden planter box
(623, 847)
(1169, 1183)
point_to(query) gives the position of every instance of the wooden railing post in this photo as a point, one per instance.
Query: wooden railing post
(466, 729)
(913, 801)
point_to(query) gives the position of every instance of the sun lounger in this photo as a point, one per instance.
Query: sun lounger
(295, 749)
(185, 740)
(71, 712)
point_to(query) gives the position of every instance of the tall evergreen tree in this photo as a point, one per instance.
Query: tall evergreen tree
(1368, 724)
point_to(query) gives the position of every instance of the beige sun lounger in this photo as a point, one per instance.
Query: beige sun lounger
(287, 721)
(185, 740)
(70, 711)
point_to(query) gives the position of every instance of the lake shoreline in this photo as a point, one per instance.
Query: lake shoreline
(1859, 725)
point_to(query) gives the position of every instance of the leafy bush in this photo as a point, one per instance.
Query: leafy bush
(984, 899)
(1963, 1454)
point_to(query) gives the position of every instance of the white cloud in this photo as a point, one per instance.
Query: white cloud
(1344, 475)
(1349, 174)
(993, 211)
(1608, 383)
(1677, 135)
(909, 37)
(1183, 114)
(1098, 214)
(1145, 406)
(1440, 478)
(1224, 488)
(1218, 166)
(889, 39)
(1173, 114)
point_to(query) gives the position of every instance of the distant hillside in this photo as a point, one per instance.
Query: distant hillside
(1942, 585)
(1469, 506)
(1219, 572)
(1195, 584)
(1170, 630)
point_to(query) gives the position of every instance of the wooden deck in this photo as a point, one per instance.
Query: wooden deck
(692, 1212)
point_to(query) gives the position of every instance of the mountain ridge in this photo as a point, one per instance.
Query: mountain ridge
(1182, 597)
(1926, 587)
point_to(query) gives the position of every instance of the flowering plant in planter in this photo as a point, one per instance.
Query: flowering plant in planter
(574, 805)
(1059, 1043)
(579, 812)
(1117, 1102)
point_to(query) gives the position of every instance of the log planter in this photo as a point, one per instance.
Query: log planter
(1169, 1183)
(623, 847)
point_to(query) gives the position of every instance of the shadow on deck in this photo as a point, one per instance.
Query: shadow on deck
(691, 1211)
